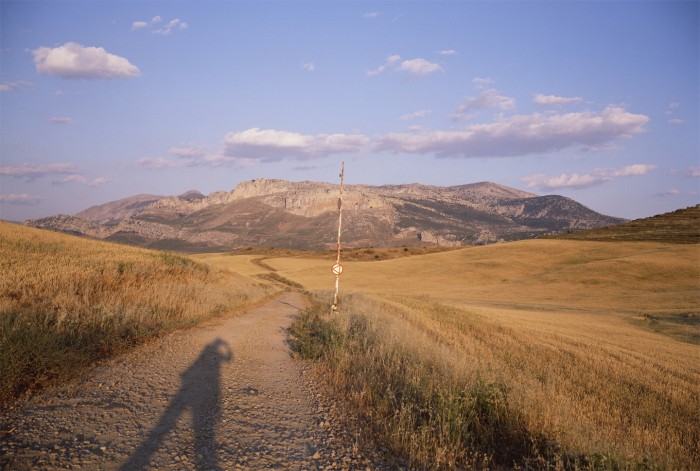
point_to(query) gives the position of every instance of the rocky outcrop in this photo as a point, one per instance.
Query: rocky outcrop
(280, 213)
(115, 211)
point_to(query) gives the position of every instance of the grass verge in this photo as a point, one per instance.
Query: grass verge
(416, 406)
(446, 390)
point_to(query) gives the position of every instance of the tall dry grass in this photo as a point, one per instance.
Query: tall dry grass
(66, 302)
(449, 387)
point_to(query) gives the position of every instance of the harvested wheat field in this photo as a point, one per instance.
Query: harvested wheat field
(592, 348)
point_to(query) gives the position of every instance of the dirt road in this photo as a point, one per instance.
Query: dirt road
(223, 396)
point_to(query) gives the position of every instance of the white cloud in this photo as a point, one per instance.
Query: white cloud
(575, 181)
(270, 145)
(31, 172)
(61, 120)
(416, 114)
(310, 66)
(14, 86)
(22, 199)
(555, 100)
(73, 60)
(488, 99)
(418, 67)
(520, 135)
(676, 121)
(371, 14)
(629, 170)
(447, 52)
(139, 24)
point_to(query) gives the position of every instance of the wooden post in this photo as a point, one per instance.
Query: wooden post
(337, 268)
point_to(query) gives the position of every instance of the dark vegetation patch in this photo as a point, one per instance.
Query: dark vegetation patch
(679, 227)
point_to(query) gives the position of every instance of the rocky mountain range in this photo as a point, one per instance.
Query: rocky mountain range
(279, 213)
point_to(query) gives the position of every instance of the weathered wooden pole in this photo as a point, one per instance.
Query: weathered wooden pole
(338, 268)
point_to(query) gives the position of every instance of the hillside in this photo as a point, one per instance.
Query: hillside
(66, 302)
(303, 215)
(681, 226)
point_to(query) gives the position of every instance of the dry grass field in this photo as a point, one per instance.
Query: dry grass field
(577, 354)
(67, 301)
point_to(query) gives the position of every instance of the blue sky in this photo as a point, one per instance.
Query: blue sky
(594, 100)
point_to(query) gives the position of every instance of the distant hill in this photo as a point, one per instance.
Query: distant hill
(303, 215)
(681, 226)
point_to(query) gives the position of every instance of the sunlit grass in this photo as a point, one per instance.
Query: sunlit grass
(448, 387)
(596, 345)
(66, 302)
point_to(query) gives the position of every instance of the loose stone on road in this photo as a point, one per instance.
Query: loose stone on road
(227, 395)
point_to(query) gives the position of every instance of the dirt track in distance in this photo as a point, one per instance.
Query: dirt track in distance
(227, 395)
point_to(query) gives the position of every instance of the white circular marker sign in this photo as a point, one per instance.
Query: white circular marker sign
(337, 269)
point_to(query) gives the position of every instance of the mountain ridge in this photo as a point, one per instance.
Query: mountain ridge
(274, 212)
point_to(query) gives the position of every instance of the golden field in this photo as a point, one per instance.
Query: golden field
(596, 344)
(66, 302)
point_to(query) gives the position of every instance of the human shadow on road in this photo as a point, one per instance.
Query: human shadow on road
(201, 394)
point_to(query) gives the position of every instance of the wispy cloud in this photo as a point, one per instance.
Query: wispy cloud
(447, 52)
(100, 181)
(309, 66)
(61, 120)
(672, 107)
(73, 60)
(172, 25)
(550, 100)
(577, 181)
(418, 67)
(17, 85)
(31, 172)
(157, 163)
(415, 115)
(189, 151)
(156, 25)
(189, 155)
(488, 99)
(389, 64)
(671, 111)
(692, 171)
(520, 135)
(21, 199)
(669, 193)
(371, 14)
